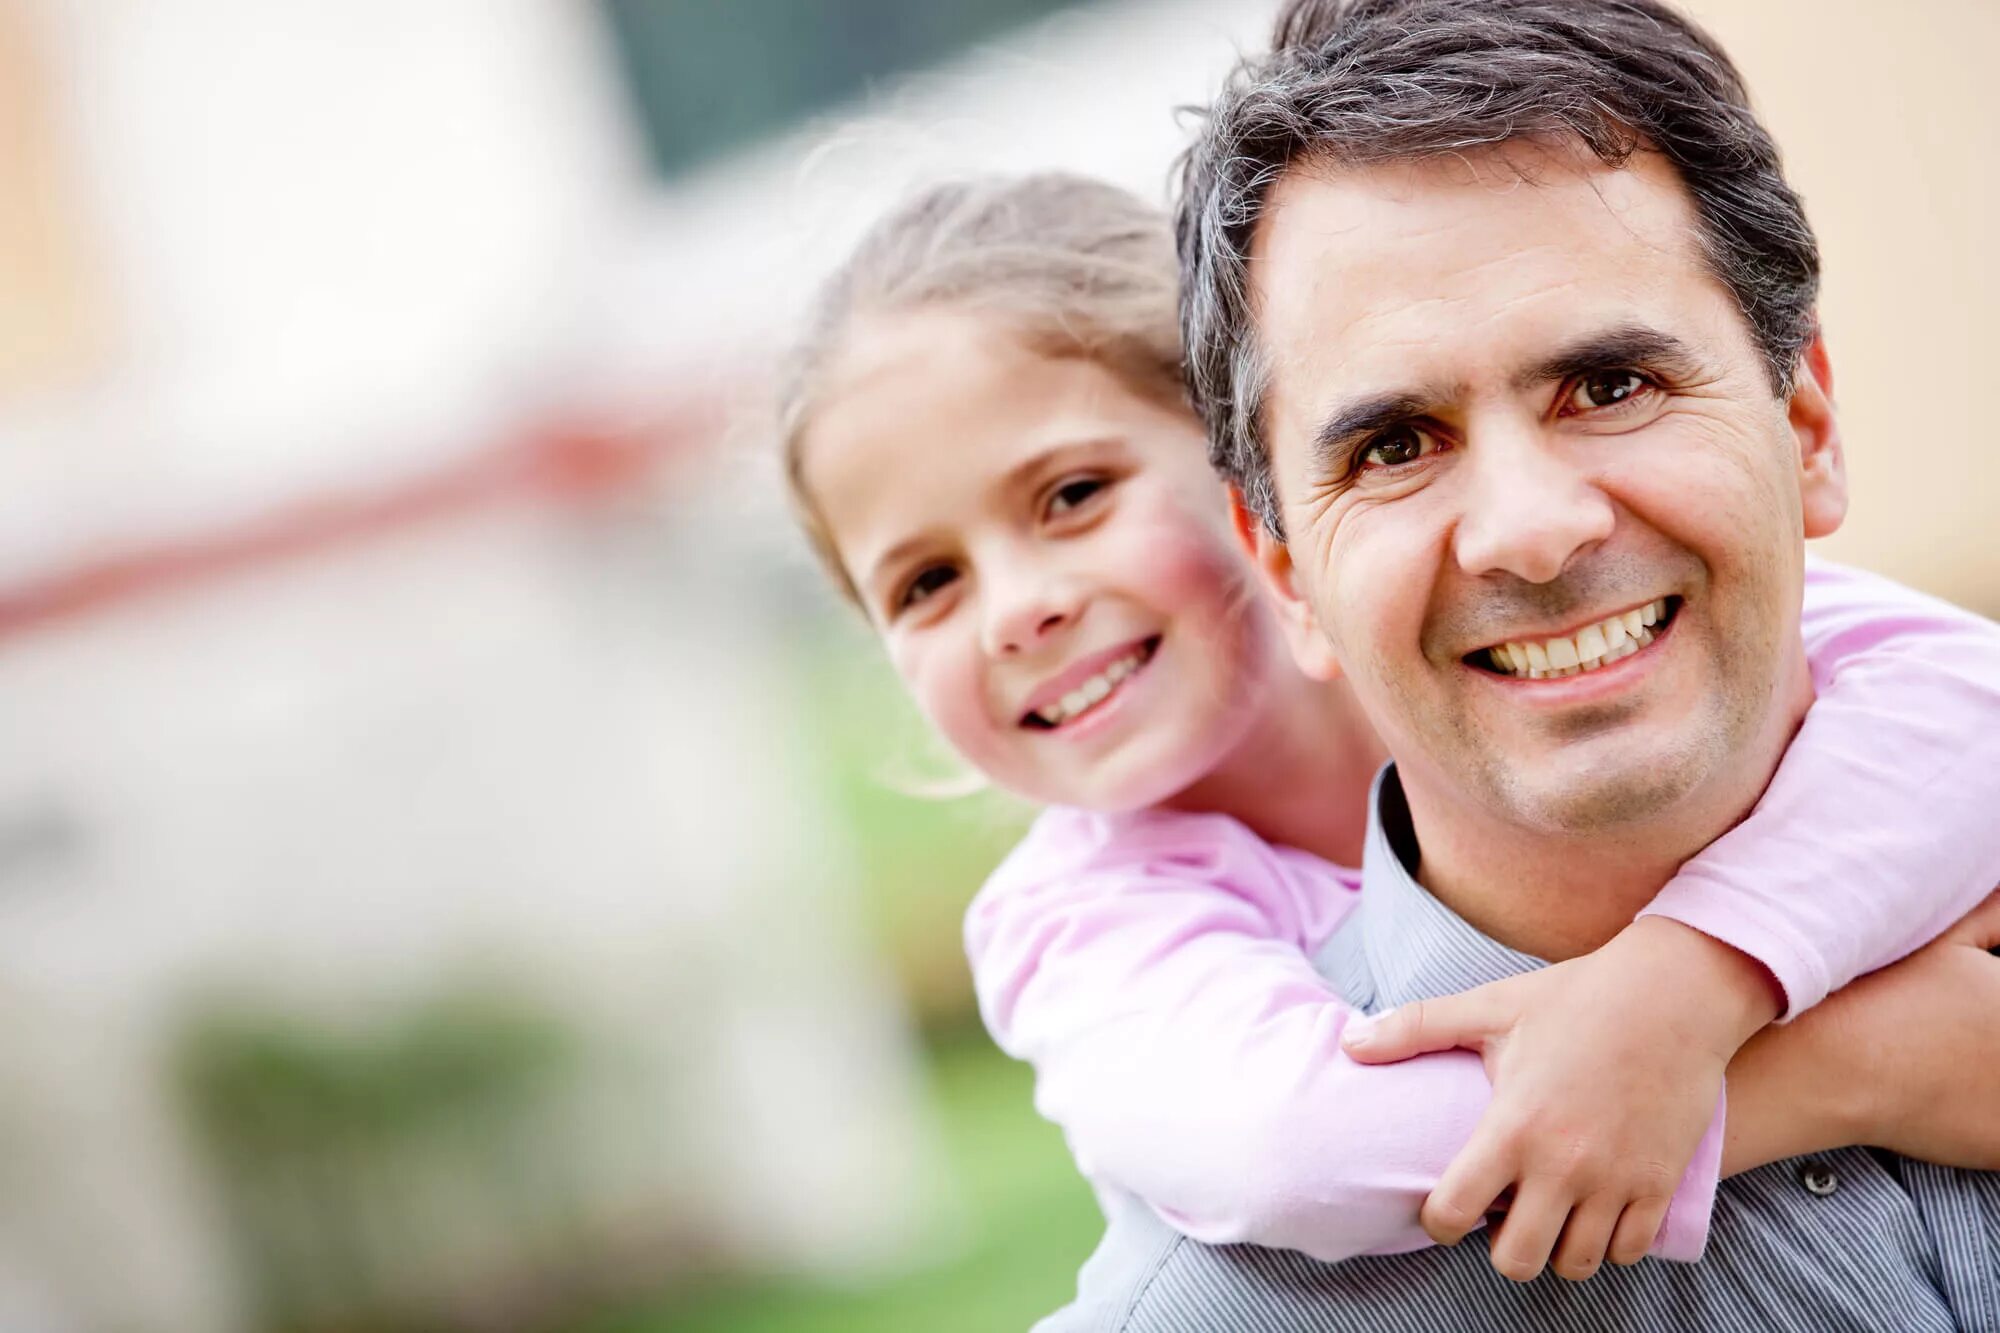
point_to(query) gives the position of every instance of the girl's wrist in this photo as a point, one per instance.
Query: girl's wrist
(1735, 995)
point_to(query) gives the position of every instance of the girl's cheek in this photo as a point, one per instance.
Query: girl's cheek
(916, 667)
(1194, 565)
(1201, 571)
(943, 678)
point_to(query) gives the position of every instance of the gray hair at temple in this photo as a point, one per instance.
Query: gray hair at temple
(1359, 82)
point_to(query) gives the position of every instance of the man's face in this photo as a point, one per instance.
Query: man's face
(1540, 498)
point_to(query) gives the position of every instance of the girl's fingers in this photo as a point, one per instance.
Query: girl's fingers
(1423, 1026)
(1586, 1237)
(1467, 1191)
(1633, 1238)
(1523, 1239)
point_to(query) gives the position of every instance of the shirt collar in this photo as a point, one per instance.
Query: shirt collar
(1401, 943)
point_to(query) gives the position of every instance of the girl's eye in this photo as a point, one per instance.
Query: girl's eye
(1074, 493)
(1397, 446)
(1602, 389)
(929, 580)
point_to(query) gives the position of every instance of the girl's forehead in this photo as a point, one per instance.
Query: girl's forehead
(948, 389)
(919, 365)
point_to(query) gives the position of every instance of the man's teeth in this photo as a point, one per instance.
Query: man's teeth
(1586, 650)
(1093, 691)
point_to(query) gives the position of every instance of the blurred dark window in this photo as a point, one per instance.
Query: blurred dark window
(711, 75)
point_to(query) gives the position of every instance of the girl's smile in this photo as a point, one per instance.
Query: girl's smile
(1063, 701)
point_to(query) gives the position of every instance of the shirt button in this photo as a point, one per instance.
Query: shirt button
(1818, 1180)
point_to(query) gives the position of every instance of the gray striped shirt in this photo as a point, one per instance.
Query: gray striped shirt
(1855, 1239)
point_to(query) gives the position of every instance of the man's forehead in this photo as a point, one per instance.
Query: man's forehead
(1471, 254)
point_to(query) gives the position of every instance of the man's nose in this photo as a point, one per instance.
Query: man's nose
(1026, 609)
(1530, 507)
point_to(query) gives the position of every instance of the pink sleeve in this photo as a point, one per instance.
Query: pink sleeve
(1156, 972)
(1879, 829)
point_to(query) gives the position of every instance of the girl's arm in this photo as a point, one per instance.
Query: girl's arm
(1192, 1054)
(1156, 972)
(1879, 829)
(1906, 1059)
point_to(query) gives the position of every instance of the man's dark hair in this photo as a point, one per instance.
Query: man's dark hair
(1358, 82)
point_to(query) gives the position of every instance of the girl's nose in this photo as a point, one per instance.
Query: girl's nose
(1026, 613)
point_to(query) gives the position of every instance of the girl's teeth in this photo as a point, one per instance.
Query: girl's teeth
(1609, 640)
(1092, 692)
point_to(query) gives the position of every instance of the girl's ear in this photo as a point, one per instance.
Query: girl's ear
(1273, 560)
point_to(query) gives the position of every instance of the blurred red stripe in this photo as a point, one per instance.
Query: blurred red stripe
(564, 464)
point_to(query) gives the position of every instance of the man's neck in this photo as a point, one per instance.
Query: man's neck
(1560, 895)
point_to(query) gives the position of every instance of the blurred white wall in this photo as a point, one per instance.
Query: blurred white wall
(337, 241)
(339, 246)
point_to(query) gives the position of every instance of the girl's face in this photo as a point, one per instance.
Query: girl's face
(1047, 557)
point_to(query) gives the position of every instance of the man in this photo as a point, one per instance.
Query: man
(1501, 317)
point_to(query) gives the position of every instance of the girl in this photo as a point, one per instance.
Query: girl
(986, 442)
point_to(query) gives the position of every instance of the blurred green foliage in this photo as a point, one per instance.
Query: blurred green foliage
(382, 1176)
(379, 1175)
(265, 1081)
(1033, 1222)
(1031, 1218)
(922, 857)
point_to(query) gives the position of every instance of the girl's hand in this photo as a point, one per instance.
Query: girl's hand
(1606, 1071)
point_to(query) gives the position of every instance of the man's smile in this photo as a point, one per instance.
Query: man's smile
(1591, 648)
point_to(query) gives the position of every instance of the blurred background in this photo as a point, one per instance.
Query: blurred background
(456, 864)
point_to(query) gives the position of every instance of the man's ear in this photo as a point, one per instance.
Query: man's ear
(1273, 561)
(1816, 427)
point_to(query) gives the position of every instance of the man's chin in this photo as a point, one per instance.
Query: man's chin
(1596, 796)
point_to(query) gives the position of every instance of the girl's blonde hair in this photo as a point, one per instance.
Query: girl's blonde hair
(1074, 266)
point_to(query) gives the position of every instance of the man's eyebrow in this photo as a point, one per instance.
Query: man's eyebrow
(1632, 345)
(1635, 345)
(1334, 441)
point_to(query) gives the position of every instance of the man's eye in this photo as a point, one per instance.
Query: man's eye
(1605, 388)
(1396, 446)
(1074, 493)
(930, 580)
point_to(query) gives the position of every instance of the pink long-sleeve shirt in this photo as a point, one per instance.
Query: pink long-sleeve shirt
(1156, 968)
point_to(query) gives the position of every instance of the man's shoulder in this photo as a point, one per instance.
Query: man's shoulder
(1120, 1271)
